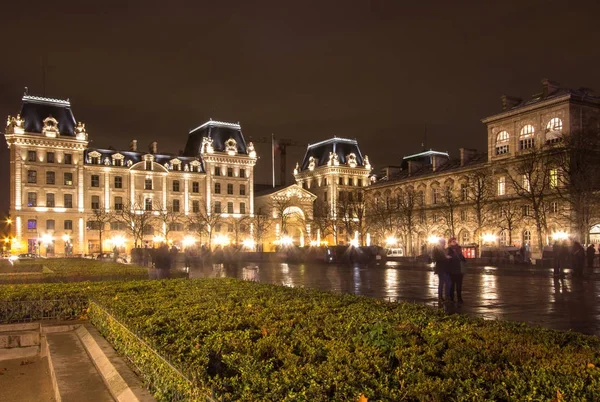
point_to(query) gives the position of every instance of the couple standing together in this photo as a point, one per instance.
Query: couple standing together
(448, 267)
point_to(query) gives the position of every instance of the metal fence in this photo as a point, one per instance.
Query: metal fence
(37, 310)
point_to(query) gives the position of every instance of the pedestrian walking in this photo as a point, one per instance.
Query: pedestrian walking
(590, 254)
(440, 258)
(578, 259)
(557, 256)
(455, 269)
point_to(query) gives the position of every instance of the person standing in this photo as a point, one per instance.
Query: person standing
(557, 255)
(455, 269)
(590, 254)
(578, 259)
(440, 258)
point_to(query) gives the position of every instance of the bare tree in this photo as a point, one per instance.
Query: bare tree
(479, 194)
(260, 224)
(283, 211)
(322, 220)
(576, 178)
(239, 225)
(407, 201)
(448, 210)
(352, 214)
(507, 213)
(530, 178)
(137, 217)
(167, 216)
(100, 217)
(205, 221)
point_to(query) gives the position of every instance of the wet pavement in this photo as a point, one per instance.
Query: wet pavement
(529, 295)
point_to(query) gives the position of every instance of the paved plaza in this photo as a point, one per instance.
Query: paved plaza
(529, 295)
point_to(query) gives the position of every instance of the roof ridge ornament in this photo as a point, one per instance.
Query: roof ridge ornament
(213, 123)
(39, 99)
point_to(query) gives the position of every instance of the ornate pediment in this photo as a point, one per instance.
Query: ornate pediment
(231, 146)
(15, 125)
(50, 128)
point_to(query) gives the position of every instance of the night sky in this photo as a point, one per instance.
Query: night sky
(383, 72)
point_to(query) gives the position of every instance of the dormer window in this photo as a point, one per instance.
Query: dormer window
(95, 160)
(148, 165)
(502, 140)
(117, 159)
(526, 138)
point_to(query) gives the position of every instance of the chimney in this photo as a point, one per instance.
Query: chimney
(437, 161)
(413, 166)
(133, 146)
(153, 147)
(548, 87)
(466, 154)
(509, 101)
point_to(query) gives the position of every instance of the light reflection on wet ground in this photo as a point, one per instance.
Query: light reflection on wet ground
(530, 295)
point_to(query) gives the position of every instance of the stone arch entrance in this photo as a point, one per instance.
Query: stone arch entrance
(595, 234)
(294, 227)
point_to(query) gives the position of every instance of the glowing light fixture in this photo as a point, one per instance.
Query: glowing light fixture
(391, 241)
(314, 243)
(489, 238)
(433, 239)
(66, 238)
(248, 243)
(46, 238)
(222, 240)
(158, 239)
(189, 241)
(560, 235)
(118, 241)
(286, 241)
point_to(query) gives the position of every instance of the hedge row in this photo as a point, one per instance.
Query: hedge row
(250, 341)
(70, 269)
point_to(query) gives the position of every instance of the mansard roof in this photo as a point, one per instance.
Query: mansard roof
(477, 161)
(340, 146)
(136, 157)
(219, 132)
(35, 110)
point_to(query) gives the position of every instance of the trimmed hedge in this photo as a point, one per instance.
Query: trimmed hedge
(69, 269)
(250, 341)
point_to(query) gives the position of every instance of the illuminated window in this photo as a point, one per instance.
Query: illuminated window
(526, 139)
(31, 224)
(435, 195)
(554, 207)
(501, 185)
(148, 204)
(526, 210)
(68, 200)
(465, 237)
(195, 187)
(526, 237)
(553, 174)
(555, 124)
(502, 140)
(526, 183)
(502, 238)
(68, 179)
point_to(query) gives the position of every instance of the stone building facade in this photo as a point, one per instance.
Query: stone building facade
(58, 184)
(522, 128)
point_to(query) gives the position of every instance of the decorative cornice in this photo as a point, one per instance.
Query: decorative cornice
(39, 99)
(334, 139)
(527, 108)
(212, 122)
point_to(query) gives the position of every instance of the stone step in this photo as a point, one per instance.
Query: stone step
(19, 353)
(74, 375)
(19, 339)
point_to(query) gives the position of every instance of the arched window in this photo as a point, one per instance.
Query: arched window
(502, 238)
(502, 142)
(553, 130)
(465, 238)
(526, 237)
(526, 139)
(555, 124)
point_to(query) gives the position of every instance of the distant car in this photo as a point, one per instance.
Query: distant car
(395, 252)
(111, 257)
(27, 256)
